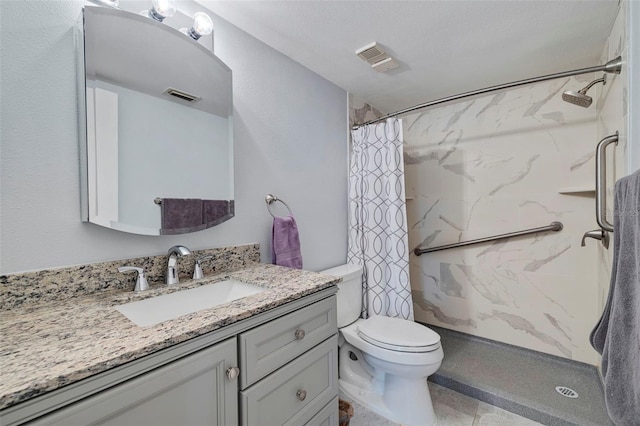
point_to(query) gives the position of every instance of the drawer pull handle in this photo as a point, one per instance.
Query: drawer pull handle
(232, 373)
(301, 394)
(300, 334)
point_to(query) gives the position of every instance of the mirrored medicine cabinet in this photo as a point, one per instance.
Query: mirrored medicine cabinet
(158, 127)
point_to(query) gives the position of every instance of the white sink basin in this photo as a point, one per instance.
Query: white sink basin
(169, 306)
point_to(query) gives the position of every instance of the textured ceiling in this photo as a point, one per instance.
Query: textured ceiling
(443, 47)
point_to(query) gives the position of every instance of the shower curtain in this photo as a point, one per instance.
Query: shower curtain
(378, 219)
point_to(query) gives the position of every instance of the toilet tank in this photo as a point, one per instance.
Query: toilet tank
(349, 292)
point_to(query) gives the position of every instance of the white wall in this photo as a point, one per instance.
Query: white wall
(290, 137)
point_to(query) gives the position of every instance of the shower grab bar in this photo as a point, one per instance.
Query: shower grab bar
(554, 226)
(601, 181)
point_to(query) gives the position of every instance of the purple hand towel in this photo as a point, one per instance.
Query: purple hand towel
(214, 210)
(285, 243)
(179, 215)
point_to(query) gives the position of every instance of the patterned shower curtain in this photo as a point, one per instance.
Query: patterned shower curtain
(378, 219)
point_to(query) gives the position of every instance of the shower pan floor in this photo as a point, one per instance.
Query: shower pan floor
(521, 381)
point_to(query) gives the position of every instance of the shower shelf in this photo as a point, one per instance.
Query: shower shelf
(577, 190)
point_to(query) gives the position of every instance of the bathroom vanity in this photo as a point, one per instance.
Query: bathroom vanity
(269, 358)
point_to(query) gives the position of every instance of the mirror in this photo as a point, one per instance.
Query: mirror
(159, 127)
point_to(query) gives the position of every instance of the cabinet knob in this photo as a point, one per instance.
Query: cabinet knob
(301, 394)
(300, 334)
(232, 373)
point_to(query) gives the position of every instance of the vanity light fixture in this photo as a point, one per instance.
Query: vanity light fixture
(161, 9)
(202, 25)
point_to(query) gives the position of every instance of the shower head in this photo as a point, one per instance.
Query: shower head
(577, 98)
(580, 97)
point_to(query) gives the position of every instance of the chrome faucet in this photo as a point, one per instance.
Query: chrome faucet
(173, 253)
(598, 234)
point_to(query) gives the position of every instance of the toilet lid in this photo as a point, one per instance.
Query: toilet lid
(398, 334)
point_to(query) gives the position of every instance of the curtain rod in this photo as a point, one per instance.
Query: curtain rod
(613, 66)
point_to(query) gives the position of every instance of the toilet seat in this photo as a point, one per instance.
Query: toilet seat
(398, 334)
(351, 335)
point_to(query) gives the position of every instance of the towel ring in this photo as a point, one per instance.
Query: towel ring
(270, 199)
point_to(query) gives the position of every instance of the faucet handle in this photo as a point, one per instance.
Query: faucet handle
(197, 269)
(141, 280)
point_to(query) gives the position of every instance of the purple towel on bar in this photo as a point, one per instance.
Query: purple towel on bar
(285, 243)
(214, 210)
(180, 215)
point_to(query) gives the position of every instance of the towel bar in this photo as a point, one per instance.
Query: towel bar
(270, 199)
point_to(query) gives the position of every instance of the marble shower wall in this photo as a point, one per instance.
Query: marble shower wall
(612, 115)
(361, 112)
(500, 163)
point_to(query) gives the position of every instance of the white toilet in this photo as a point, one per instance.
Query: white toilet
(384, 362)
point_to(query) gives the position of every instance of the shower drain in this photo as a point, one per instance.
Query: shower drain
(565, 391)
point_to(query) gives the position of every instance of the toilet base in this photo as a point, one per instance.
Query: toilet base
(374, 402)
(368, 399)
(403, 400)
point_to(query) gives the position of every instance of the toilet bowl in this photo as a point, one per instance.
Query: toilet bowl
(384, 362)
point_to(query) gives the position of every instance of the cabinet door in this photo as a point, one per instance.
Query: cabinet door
(328, 416)
(193, 390)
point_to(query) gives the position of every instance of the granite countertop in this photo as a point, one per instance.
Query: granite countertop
(50, 344)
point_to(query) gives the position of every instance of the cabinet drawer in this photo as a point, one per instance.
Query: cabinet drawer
(268, 347)
(328, 416)
(278, 399)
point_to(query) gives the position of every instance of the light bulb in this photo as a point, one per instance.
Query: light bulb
(202, 25)
(112, 3)
(162, 9)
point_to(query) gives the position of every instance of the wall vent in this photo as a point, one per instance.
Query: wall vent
(372, 53)
(182, 95)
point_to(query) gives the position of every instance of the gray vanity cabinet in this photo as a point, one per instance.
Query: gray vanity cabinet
(289, 365)
(328, 416)
(194, 390)
(296, 392)
(268, 347)
(288, 375)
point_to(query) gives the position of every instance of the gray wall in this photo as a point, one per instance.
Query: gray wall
(290, 133)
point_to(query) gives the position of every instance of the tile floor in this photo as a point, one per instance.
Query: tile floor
(452, 409)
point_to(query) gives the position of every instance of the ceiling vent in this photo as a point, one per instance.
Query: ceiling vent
(375, 55)
(182, 95)
(372, 53)
(385, 65)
